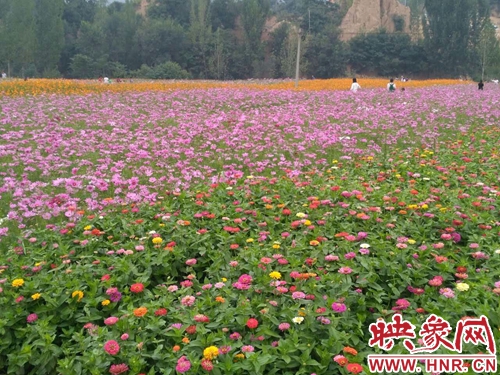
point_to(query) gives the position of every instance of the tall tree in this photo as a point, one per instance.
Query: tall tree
(178, 10)
(19, 35)
(452, 29)
(488, 51)
(49, 34)
(253, 17)
(200, 34)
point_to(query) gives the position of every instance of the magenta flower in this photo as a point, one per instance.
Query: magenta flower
(112, 347)
(338, 307)
(32, 318)
(183, 365)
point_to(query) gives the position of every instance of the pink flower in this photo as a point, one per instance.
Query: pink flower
(124, 337)
(350, 255)
(248, 348)
(112, 347)
(32, 318)
(207, 365)
(173, 288)
(298, 295)
(137, 288)
(233, 263)
(331, 258)
(183, 365)
(284, 326)
(111, 320)
(191, 262)
(188, 300)
(118, 369)
(345, 270)
(447, 292)
(245, 279)
(338, 307)
(235, 336)
(225, 349)
(436, 281)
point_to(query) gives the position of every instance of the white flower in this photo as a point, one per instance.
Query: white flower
(300, 214)
(298, 319)
(229, 188)
(152, 232)
(364, 246)
(497, 251)
(463, 287)
(250, 177)
(101, 217)
(426, 179)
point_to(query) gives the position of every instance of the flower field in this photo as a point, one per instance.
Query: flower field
(241, 231)
(80, 87)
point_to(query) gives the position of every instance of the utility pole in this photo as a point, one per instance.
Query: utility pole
(297, 69)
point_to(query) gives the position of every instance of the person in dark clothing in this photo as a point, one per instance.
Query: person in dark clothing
(480, 85)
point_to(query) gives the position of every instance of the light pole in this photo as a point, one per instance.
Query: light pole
(297, 68)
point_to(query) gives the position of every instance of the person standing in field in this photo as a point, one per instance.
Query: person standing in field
(480, 85)
(391, 86)
(4, 75)
(355, 85)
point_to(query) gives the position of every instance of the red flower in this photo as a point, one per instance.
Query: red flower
(252, 323)
(461, 269)
(105, 277)
(137, 288)
(355, 368)
(191, 330)
(286, 212)
(161, 312)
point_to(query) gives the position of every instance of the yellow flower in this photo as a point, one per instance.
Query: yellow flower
(335, 161)
(275, 275)
(269, 206)
(77, 293)
(17, 283)
(88, 227)
(300, 214)
(276, 246)
(250, 240)
(211, 352)
(443, 209)
(424, 206)
(412, 206)
(412, 242)
(463, 287)
(157, 240)
(307, 222)
(37, 264)
(106, 302)
(36, 296)
(241, 355)
(314, 243)
(161, 225)
(302, 312)
(224, 279)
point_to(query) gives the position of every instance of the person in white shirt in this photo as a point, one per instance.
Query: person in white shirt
(4, 75)
(391, 86)
(355, 85)
(106, 80)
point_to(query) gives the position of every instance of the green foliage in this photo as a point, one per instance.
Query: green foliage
(327, 55)
(168, 70)
(452, 30)
(386, 54)
(49, 33)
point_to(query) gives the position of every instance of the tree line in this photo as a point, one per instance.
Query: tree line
(233, 39)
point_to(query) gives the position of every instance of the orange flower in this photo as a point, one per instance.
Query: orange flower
(349, 350)
(185, 340)
(140, 312)
(176, 348)
(220, 299)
